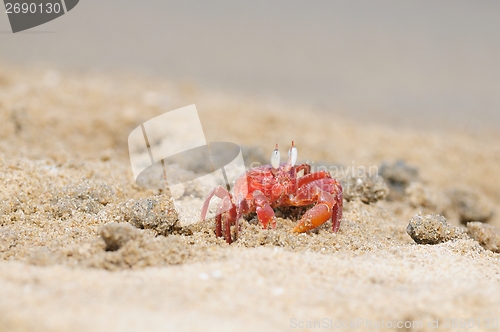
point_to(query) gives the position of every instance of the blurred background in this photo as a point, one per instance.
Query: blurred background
(424, 64)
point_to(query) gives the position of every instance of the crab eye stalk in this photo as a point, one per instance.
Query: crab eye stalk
(292, 155)
(275, 158)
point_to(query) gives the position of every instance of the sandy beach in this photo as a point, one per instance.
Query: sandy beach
(82, 247)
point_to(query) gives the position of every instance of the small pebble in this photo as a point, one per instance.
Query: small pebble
(398, 176)
(432, 229)
(487, 235)
(470, 205)
(156, 213)
(369, 189)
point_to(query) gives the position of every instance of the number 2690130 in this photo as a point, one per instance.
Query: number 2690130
(32, 8)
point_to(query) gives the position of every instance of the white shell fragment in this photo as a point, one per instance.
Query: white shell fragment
(275, 158)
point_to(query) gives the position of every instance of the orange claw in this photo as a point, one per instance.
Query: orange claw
(319, 214)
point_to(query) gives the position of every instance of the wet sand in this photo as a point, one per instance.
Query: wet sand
(84, 248)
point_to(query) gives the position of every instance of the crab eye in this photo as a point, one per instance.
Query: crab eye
(292, 155)
(275, 158)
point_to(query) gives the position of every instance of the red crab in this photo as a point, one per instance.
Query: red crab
(265, 187)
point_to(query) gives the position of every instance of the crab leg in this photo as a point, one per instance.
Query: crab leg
(225, 214)
(337, 210)
(224, 218)
(265, 213)
(218, 191)
(311, 177)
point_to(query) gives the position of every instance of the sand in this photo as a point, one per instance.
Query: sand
(82, 247)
